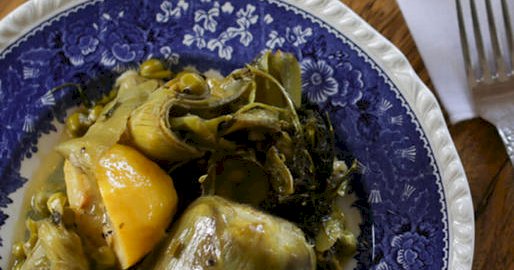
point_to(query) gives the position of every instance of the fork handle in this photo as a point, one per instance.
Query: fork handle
(507, 134)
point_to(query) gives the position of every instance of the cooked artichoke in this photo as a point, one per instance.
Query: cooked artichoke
(150, 131)
(235, 91)
(111, 125)
(285, 68)
(153, 126)
(255, 116)
(244, 142)
(56, 248)
(215, 233)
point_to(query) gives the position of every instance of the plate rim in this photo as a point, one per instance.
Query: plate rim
(393, 63)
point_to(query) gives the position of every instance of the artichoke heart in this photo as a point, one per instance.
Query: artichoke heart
(215, 233)
(150, 131)
(85, 151)
(235, 91)
(152, 126)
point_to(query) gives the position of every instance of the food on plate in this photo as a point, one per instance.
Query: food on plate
(215, 233)
(139, 200)
(188, 171)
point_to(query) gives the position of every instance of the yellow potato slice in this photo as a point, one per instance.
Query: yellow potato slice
(140, 200)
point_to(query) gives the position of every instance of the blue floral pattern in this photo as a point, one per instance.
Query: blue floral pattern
(81, 43)
(413, 251)
(399, 190)
(169, 11)
(317, 80)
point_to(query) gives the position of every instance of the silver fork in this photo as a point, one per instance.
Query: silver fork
(492, 89)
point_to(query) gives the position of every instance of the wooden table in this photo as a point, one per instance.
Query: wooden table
(490, 175)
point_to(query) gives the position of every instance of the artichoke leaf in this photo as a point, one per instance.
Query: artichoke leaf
(204, 133)
(63, 248)
(281, 178)
(36, 259)
(150, 132)
(268, 91)
(287, 104)
(215, 233)
(56, 248)
(235, 91)
(286, 69)
(83, 152)
(255, 116)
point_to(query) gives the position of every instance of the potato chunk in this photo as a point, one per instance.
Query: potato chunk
(140, 200)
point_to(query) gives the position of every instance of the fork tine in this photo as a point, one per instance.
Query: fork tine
(465, 46)
(484, 68)
(508, 31)
(499, 64)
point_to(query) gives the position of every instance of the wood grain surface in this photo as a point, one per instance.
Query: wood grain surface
(490, 175)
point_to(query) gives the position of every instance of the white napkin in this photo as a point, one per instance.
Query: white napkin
(433, 24)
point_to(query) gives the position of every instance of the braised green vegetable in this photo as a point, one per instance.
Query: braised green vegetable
(215, 233)
(253, 166)
(51, 244)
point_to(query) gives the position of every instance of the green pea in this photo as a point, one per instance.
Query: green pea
(17, 250)
(151, 65)
(77, 124)
(154, 69)
(192, 84)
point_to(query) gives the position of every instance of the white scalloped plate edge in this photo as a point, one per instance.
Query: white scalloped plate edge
(387, 57)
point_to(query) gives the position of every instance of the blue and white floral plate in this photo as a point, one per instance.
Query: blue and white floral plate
(413, 195)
